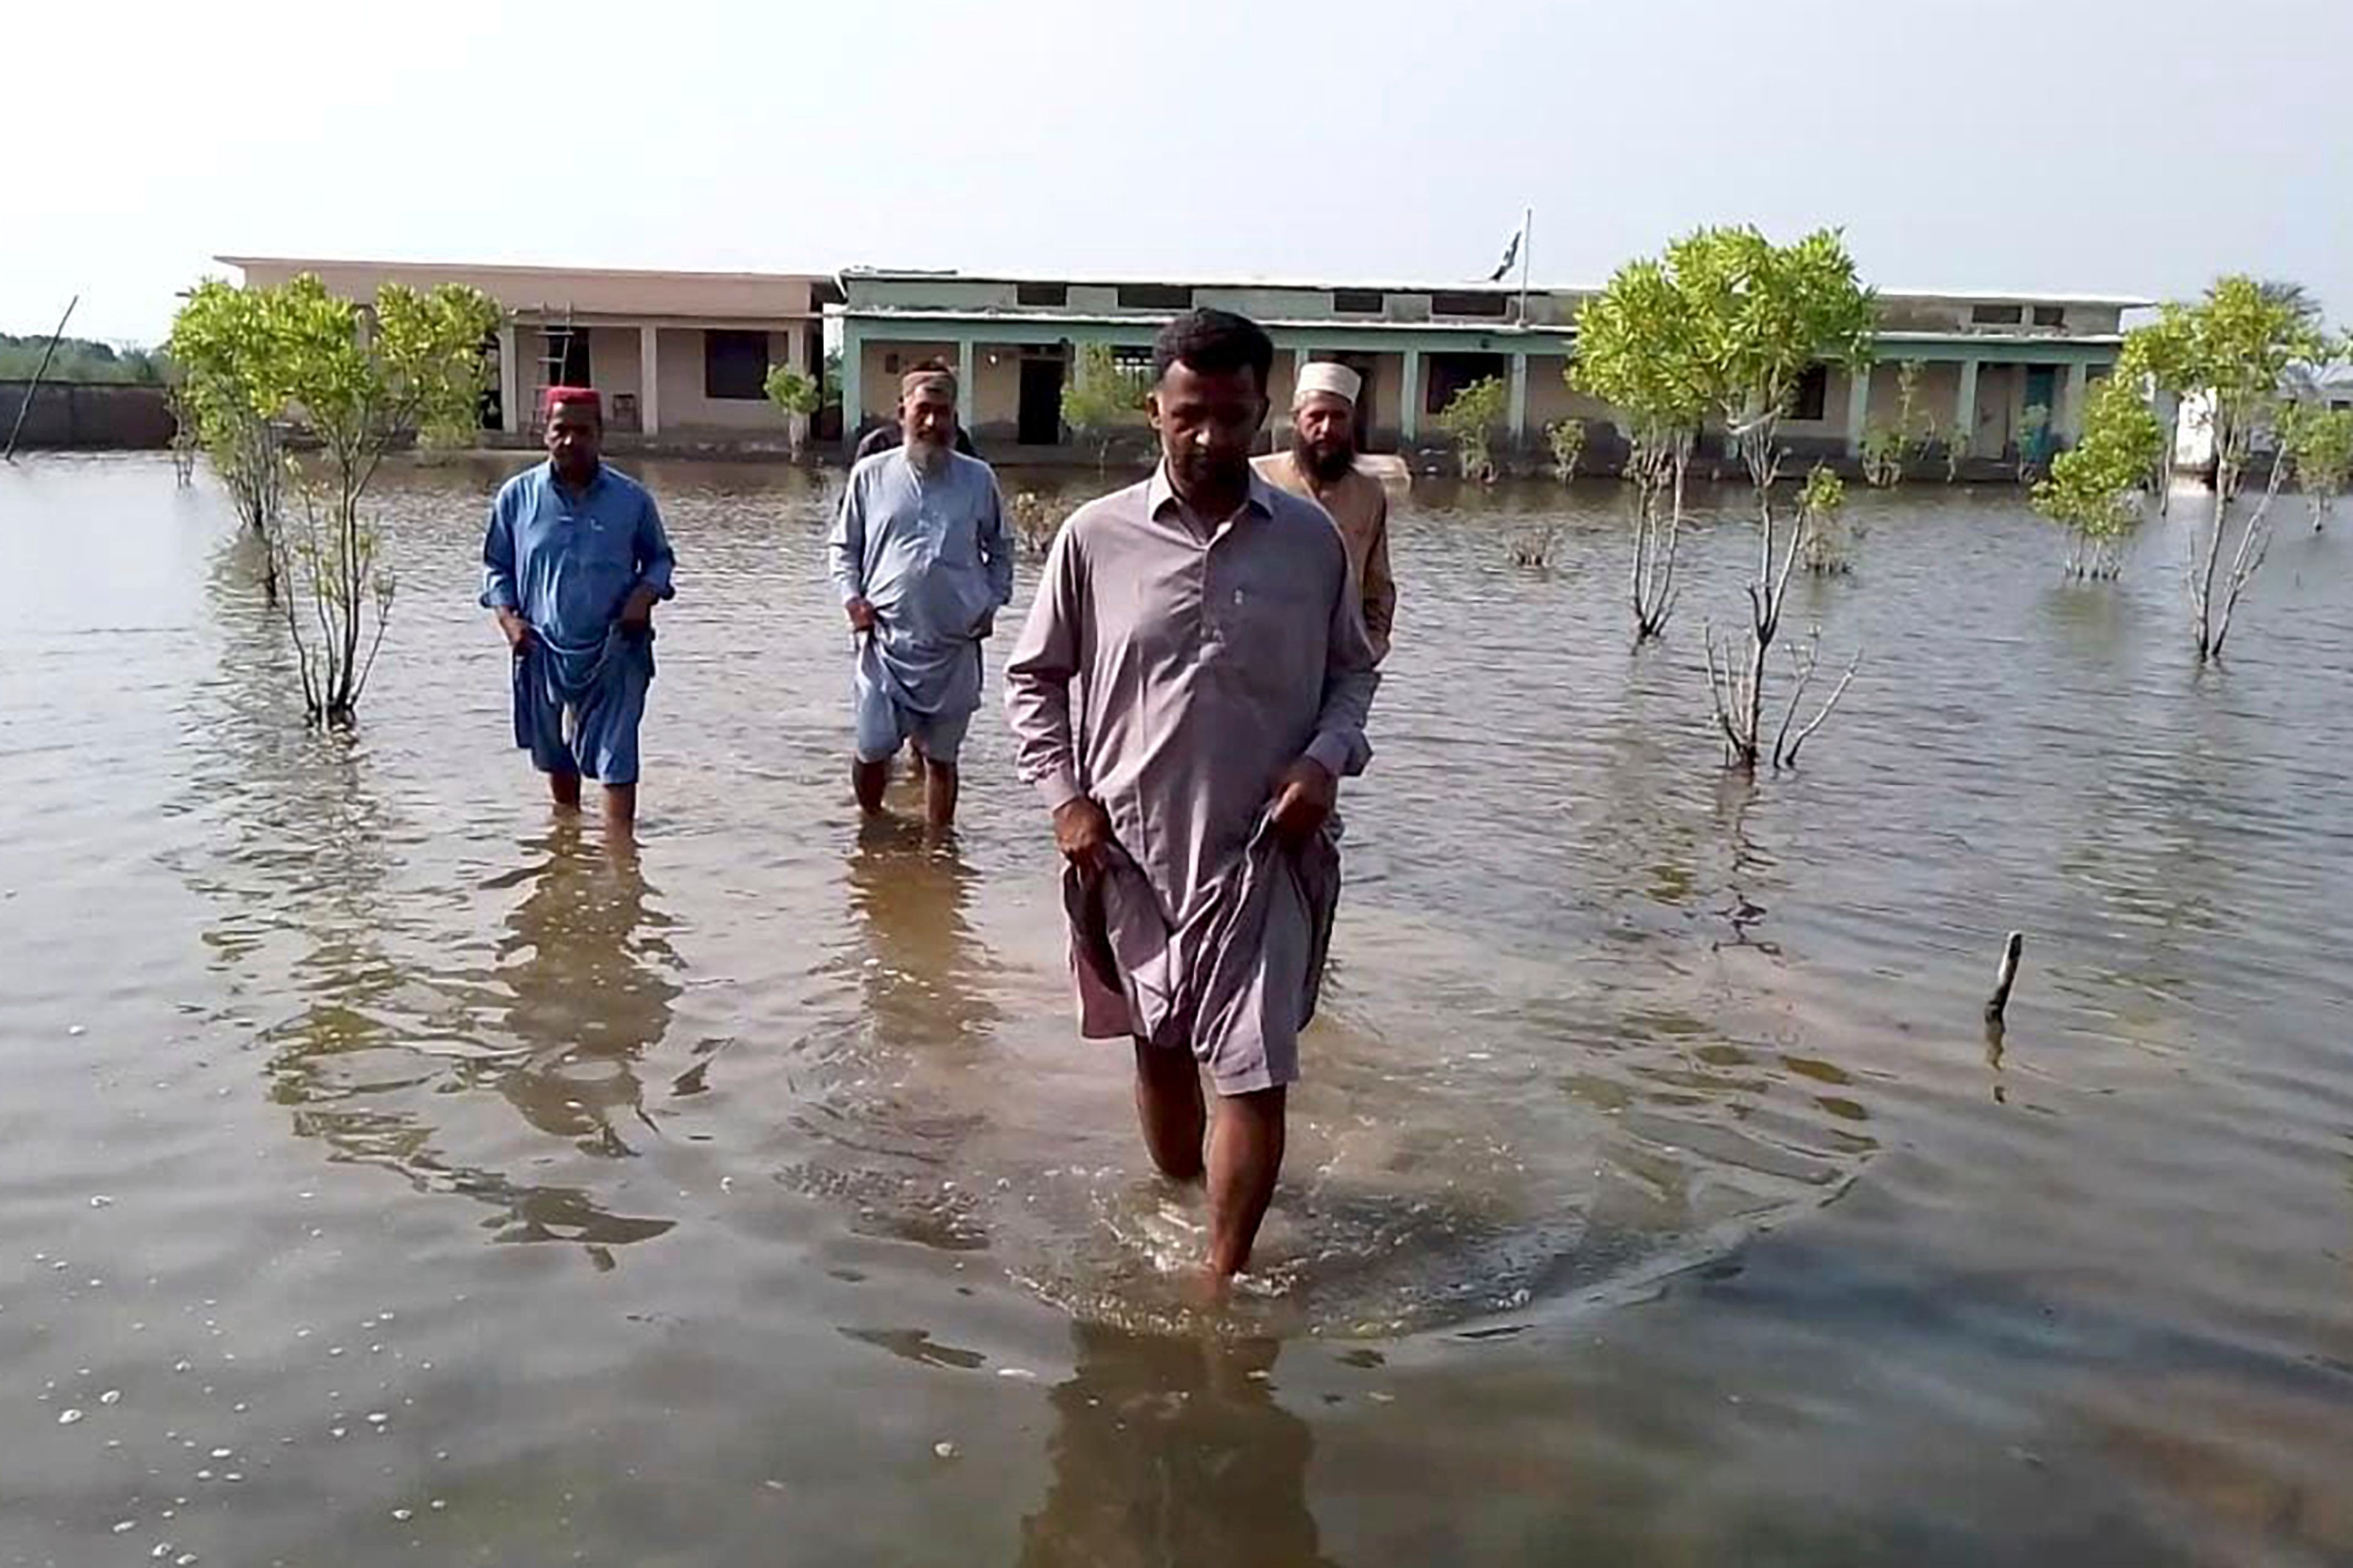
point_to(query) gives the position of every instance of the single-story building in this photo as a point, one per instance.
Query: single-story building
(1986, 358)
(681, 356)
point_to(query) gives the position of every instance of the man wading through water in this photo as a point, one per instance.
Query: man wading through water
(1190, 687)
(922, 560)
(573, 561)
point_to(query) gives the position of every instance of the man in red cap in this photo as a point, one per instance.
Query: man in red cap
(572, 563)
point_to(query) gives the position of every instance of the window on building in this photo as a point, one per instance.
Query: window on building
(1358, 301)
(1995, 315)
(2049, 315)
(1811, 399)
(1465, 302)
(1154, 297)
(1052, 295)
(734, 365)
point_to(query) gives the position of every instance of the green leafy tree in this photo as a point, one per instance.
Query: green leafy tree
(2318, 442)
(1567, 437)
(1102, 398)
(222, 339)
(1885, 447)
(1883, 454)
(795, 394)
(80, 360)
(2095, 486)
(359, 382)
(1469, 420)
(1638, 349)
(1827, 538)
(1761, 316)
(2234, 347)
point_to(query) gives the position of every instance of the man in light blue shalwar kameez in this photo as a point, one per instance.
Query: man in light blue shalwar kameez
(573, 561)
(922, 560)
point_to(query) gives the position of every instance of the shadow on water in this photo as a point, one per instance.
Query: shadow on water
(1169, 1451)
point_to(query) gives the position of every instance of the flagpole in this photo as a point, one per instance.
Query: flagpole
(1527, 224)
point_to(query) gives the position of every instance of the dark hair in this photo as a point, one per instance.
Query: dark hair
(1214, 342)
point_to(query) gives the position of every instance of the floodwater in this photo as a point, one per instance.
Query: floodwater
(391, 1174)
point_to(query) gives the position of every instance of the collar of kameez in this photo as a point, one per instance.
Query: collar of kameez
(1159, 494)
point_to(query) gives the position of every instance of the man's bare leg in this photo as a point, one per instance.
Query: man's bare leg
(565, 790)
(621, 810)
(867, 779)
(1168, 1104)
(939, 793)
(1245, 1157)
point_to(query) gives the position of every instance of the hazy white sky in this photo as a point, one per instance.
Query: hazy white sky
(2102, 146)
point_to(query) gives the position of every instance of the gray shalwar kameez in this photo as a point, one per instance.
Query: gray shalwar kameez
(1172, 668)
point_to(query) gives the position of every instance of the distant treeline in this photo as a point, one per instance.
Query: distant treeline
(79, 359)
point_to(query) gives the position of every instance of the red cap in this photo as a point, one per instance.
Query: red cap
(555, 395)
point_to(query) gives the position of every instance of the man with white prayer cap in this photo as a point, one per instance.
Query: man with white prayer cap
(1321, 467)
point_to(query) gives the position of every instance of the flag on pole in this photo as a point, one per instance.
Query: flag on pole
(1511, 254)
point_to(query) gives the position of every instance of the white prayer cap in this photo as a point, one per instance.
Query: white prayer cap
(1325, 376)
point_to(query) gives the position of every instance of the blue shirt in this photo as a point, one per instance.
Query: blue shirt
(929, 551)
(569, 562)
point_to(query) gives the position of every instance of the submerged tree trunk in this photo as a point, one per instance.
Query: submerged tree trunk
(2254, 543)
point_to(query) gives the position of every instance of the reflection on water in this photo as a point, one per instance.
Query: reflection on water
(588, 972)
(1651, 1135)
(1170, 1450)
(925, 971)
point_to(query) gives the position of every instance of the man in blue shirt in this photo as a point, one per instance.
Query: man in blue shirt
(922, 560)
(573, 561)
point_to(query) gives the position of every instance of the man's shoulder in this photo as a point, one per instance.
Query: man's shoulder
(633, 489)
(518, 485)
(1277, 470)
(1284, 506)
(863, 469)
(971, 468)
(1122, 507)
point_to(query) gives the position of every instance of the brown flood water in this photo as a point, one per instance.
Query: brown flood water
(388, 1176)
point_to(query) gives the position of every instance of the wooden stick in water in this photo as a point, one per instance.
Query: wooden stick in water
(2005, 977)
(34, 390)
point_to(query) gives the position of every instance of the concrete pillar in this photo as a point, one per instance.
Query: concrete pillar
(1410, 398)
(967, 388)
(648, 382)
(797, 358)
(1965, 407)
(2069, 421)
(510, 382)
(1858, 409)
(1518, 413)
(853, 390)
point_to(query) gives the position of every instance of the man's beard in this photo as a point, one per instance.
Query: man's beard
(926, 454)
(1322, 466)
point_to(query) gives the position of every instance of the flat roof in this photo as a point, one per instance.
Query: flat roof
(522, 269)
(1480, 286)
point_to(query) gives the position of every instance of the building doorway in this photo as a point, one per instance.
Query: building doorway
(1039, 417)
(2041, 392)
